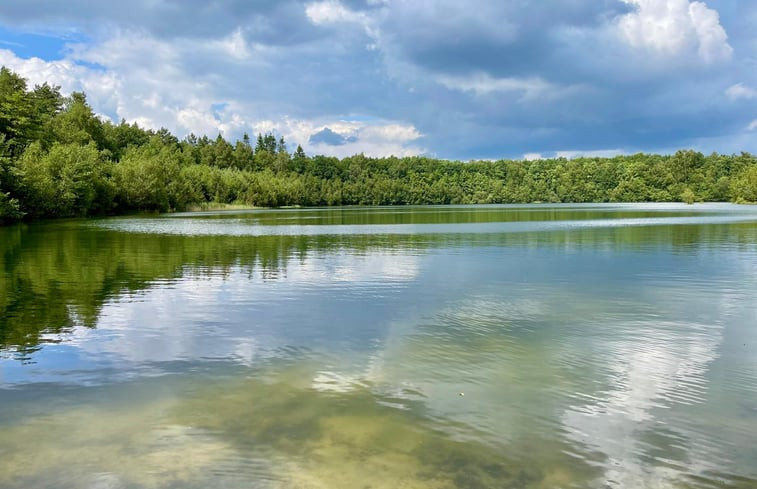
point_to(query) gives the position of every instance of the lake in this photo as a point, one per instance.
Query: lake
(534, 346)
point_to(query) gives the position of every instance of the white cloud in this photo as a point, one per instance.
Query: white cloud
(101, 87)
(593, 153)
(676, 28)
(576, 153)
(138, 78)
(331, 12)
(713, 40)
(197, 120)
(752, 126)
(235, 45)
(483, 84)
(306, 62)
(372, 138)
(390, 132)
(740, 90)
(149, 81)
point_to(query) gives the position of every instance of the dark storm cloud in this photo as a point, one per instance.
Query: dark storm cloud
(628, 98)
(477, 79)
(502, 38)
(279, 22)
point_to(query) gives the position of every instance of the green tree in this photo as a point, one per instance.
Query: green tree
(77, 123)
(243, 155)
(149, 178)
(744, 186)
(266, 142)
(69, 180)
(9, 208)
(223, 153)
(688, 196)
(120, 137)
(299, 161)
(16, 112)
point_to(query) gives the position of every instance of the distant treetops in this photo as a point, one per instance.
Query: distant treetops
(57, 159)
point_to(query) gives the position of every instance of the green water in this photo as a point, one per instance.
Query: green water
(585, 346)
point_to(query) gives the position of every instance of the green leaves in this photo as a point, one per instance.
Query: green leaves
(744, 186)
(69, 180)
(9, 208)
(16, 111)
(58, 159)
(148, 178)
(77, 123)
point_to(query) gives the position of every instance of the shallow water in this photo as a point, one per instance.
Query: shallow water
(595, 346)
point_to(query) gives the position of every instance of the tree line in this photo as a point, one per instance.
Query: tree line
(58, 159)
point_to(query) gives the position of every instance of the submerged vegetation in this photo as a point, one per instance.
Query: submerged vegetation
(58, 159)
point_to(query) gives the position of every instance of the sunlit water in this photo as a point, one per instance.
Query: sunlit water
(585, 346)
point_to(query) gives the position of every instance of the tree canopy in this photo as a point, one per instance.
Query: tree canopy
(58, 159)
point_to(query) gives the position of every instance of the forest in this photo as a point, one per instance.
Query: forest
(58, 159)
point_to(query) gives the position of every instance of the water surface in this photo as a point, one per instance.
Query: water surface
(595, 346)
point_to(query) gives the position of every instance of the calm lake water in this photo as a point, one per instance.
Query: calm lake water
(588, 346)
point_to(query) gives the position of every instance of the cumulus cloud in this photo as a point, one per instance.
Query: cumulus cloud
(374, 137)
(676, 27)
(739, 90)
(395, 132)
(345, 138)
(102, 87)
(155, 95)
(482, 79)
(332, 11)
(159, 93)
(235, 45)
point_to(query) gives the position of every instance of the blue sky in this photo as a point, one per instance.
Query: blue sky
(459, 80)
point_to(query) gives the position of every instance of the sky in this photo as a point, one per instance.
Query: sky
(448, 79)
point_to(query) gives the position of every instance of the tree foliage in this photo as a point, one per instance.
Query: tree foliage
(58, 159)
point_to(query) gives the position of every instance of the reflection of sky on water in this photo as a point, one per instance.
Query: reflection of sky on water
(659, 366)
(648, 408)
(244, 227)
(239, 314)
(638, 360)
